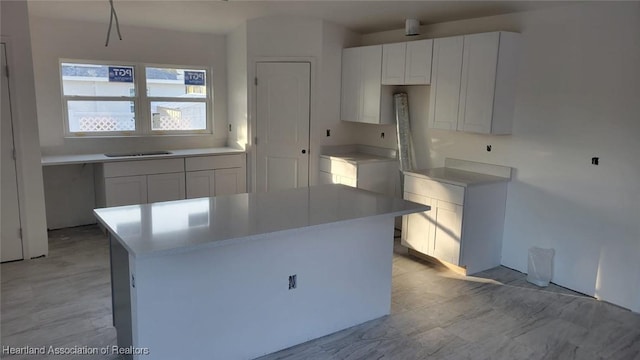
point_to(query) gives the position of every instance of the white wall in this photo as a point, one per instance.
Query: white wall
(54, 39)
(292, 38)
(237, 87)
(15, 31)
(577, 97)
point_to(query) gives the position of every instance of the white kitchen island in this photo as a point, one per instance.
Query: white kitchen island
(240, 276)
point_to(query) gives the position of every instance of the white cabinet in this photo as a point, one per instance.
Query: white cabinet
(464, 226)
(139, 182)
(377, 176)
(125, 190)
(416, 228)
(362, 97)
(445, 83)
(147, 181)
(473, 82)
(215, 175)
(165, 187)
(407, 63)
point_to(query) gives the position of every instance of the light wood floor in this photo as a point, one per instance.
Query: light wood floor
(64, 301)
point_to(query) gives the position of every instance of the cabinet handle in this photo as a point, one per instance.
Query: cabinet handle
(304, 151)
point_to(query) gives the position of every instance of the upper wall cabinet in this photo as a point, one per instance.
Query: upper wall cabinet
(407, 63)
(362, 93)
(473, 82)
(445, 82)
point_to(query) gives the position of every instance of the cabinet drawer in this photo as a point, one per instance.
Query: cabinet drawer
(434, 189)
(337, 167)
(214, 162)
(143, 167)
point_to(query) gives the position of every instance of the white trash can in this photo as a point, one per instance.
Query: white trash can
(540, 266)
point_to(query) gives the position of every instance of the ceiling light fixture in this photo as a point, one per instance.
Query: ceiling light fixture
(113, 15)
(412, 27)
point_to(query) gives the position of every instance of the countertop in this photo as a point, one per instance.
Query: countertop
(100, 158)
(456, 176)
(181, 225)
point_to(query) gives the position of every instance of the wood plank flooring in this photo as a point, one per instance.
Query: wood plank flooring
(63, 300)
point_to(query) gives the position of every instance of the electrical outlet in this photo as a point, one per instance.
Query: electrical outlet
(595, 161)
(293, 281)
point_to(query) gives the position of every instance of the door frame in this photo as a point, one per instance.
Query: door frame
(15, 126)
(252, 159)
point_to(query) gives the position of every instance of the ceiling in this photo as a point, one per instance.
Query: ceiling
(216, 16)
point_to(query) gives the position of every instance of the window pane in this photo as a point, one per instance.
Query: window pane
(97, 80)
(101, 116)
(178, 115)
(167, 82)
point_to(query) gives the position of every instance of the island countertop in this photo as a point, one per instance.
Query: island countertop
(176, 226)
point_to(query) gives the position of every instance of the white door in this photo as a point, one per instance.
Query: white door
(417, 227)
(370, 79)
(393, 63)
(418, 62)
(200, 184)
(448, 231)
(282, 125)
(165, 187)
(126, 190)
(11, 244)
(229, 181)
(445, 83)
(350, 90)
(480, 57)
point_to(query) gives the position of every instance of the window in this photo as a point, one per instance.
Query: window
(127, 99)
(177, 98)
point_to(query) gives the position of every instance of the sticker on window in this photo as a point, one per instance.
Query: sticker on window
(194, 77)
(121, 74)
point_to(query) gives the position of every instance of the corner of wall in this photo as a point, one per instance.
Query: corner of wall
(15, 29)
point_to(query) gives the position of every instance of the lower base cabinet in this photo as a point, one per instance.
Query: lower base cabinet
(464, 226)
(205, 183)
(377, 176)
(147, 181)
(125, 190)
(216, 175)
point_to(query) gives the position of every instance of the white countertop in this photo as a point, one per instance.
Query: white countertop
(456, 176)
(175, 226)
(99, 158)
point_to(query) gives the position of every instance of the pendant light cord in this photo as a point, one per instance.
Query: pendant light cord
(113, 15)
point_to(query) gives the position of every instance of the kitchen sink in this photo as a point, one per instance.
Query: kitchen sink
(144, 153)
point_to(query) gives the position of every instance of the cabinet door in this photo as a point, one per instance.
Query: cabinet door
(325, 178)
(393, 63)
(445, 82)
(165, 187)
(479, 64)
(200, 184)
(447, 232)
(229, 181)
(417, 227)
(418, 62)
(370, 77)
(350, 92)
(125, 190)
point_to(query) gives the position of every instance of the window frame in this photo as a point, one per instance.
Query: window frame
(141, 101)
